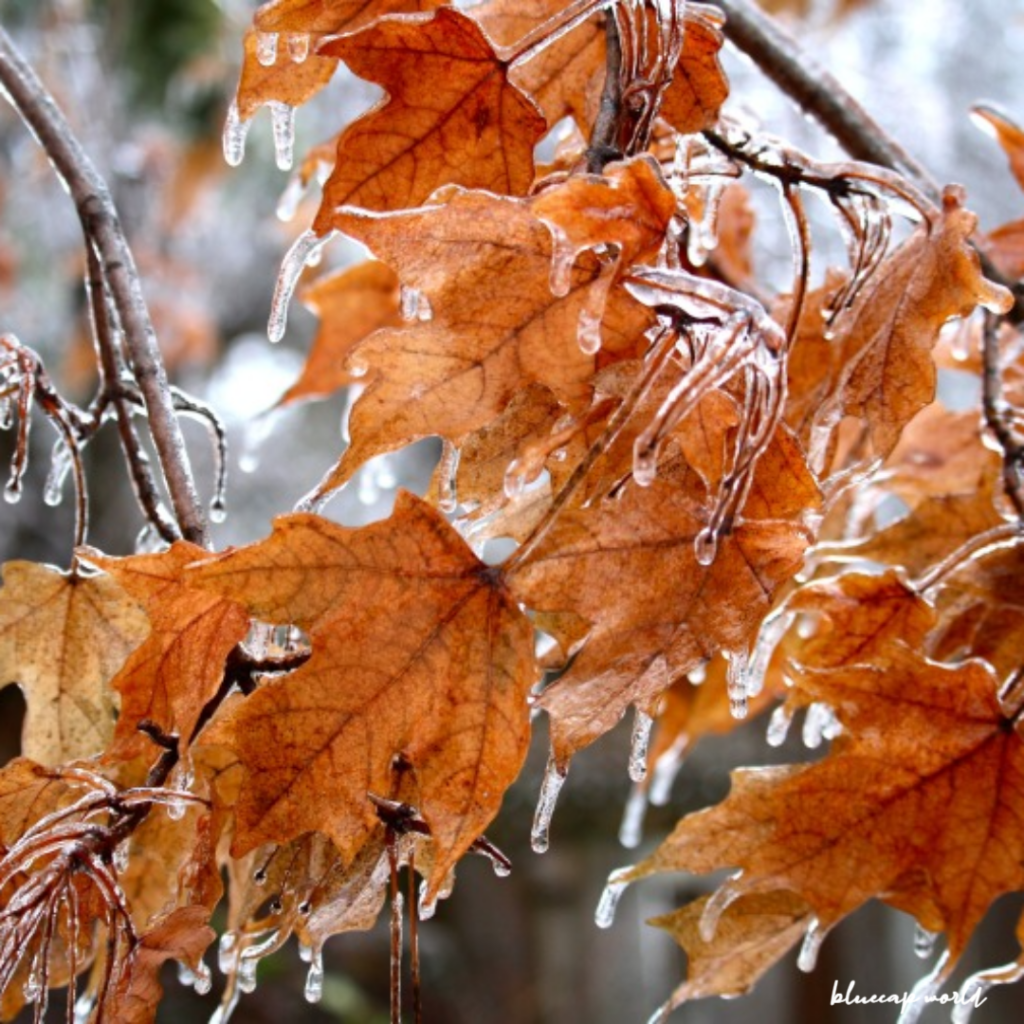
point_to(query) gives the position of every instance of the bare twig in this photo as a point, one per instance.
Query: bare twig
(998, 416)
(604, 139)
(103, 232)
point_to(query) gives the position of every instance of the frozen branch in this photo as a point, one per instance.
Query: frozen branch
(103, 233)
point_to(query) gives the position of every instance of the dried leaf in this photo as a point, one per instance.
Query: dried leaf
(445, 694)
(351, 304)
(699, 86)
(169, 678)
(62, 638)
(452, 117)
(629, 567)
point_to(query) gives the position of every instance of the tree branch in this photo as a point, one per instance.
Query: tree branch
(103, 233)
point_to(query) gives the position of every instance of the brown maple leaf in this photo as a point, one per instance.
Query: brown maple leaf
(451, 117)
(435, 709)
(351, 304)
(483, 264)
(699, 86)
(179, 667)
(62, 639)
(919, 801)
(628, 566)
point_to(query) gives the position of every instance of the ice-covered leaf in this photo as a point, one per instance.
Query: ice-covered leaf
(483, 264)
(169, 678)
(63, 637)
(629, 567)
(451, 117)
(699, 86)
(416, 687)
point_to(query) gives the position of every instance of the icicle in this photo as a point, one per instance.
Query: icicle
(201, 980)
(12, 492)
(303, 249)
(924, 941)
(719, 902)
(736, 682)
(778, 725)
(920, 993)
(588, 332)
(84, 1005)
(604, 916)
(772, 630)
(631, 829)
(563, 256)
(282, 119)
(266, 48)
(820, 723)
(235, 131)
(425, 908)
(291, 197)
(246, 974)
(705, 546)
(641, 739)
(59, 466)
(447, 473)
(666, 768)
(554, 779)
(660, 1015)
(314, 989)
(223, 1012)
(298, 46)
(813, 938)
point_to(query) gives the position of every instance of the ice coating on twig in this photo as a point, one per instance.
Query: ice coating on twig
(554, 779)
(719, 901)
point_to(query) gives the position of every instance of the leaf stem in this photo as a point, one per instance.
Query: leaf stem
(103, 233)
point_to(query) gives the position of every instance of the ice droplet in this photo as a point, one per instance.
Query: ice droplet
(588, 332)
(501, 869)
(266, 48)
(660, 1015)
(645, 462)
(924, 941)
(641, 740)
(631, 829)
(298, 46)
(813, 938)
(200, 979)
(314, 989)
(235, 132)
(282, 119)
(425, 908)
(303, 249)
(554, 779)
(705, 546)
(247, 974)
(218, 510)
(84, 1005)
(227, 953)
(820, 723)
(604, 916)
(778, 725)
(12, 492)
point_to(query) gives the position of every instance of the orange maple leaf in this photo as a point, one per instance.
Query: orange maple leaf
(435, 710)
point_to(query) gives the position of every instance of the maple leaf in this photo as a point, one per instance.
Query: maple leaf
(63, 636)
(699, 87)
(483, 264)
(629, 567)
(182, 935)
(752, 934)
(441, 700)
(918, 803)
(351, 305)
(884, 340)
(451, 117)
(179, 667)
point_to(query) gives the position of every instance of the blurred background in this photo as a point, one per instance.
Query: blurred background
(146, 84)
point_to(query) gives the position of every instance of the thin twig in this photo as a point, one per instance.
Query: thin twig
(110, 372)
(604, 139)
(818, 92)
(103, 231)
(998, 417)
